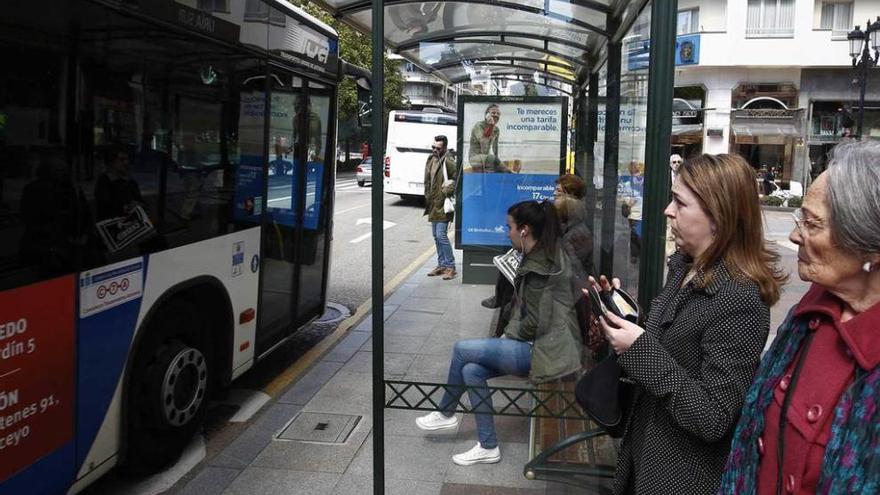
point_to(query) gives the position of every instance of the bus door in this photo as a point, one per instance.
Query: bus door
(282, 230)
(317, 214)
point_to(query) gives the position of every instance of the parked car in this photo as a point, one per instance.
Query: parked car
(365, 172)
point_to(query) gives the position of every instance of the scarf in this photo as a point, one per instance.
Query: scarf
(852, 457)
(487, 132)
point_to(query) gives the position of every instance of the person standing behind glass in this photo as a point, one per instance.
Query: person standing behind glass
(675, 161)
(631, 208)
(816, 396)
(700, 347)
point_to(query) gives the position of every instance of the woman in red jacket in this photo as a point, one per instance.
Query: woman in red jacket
(811, 420)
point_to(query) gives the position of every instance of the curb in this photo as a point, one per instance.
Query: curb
(777, 208)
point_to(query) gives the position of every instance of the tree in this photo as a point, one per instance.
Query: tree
(357, 48)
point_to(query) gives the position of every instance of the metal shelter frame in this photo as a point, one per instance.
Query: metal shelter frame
(592, 28)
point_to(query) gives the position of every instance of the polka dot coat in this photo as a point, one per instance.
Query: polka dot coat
(693, 365)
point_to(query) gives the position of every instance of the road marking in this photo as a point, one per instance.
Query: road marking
(389, 198)
(288, 376)
(285, 198)
(367, 220)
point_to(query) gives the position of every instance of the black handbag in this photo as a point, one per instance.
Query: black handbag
(606, 396)
(604, 392)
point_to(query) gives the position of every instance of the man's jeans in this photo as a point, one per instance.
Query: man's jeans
(475, 361)
(445, 258)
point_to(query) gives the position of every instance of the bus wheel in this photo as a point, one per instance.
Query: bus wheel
(168, 393)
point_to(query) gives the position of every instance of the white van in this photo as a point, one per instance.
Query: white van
(410, 136)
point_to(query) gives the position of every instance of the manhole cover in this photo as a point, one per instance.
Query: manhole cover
(320, 427)
(333, 313)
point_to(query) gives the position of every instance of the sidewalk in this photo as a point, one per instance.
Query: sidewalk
(286, 450)
(423, 319)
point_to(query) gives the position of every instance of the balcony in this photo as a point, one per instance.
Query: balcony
(769, 32)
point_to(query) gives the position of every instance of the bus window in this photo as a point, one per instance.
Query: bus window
(160, 152)
(43, 214)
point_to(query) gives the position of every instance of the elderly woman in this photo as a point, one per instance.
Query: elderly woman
(698, 352)
(815, 402)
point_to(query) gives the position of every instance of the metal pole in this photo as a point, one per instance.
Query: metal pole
(377, 278)
(612, 143)
(592, 131)
(864, 63)
(661, 81)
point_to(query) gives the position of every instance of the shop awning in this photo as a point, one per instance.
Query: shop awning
(687, 130)
(783, 129)
(495, 39)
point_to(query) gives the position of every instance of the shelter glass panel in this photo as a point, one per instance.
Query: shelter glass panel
(579, 12)
(443, 53)
(567, 50)
(406, 22)
(459, 74)
(631, 151)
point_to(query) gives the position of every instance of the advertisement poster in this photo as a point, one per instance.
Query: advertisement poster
(513, 150)
(36, 372)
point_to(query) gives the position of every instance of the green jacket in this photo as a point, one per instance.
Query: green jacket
(435, 192)
(543, 312)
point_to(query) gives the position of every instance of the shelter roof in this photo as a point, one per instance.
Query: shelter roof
(456, 40)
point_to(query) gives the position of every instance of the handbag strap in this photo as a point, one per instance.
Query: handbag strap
(443, 166)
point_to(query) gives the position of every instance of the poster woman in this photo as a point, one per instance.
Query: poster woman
(483, 153)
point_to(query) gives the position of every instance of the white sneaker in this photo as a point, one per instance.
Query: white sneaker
(477, 455)
(436, 421)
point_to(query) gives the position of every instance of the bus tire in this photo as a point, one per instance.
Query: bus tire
(362, 183)
(169, 389)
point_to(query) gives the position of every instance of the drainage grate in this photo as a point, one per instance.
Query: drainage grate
(320, 427)
(333, 313)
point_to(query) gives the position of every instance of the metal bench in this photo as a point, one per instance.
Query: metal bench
(564, 444)
(574, 451)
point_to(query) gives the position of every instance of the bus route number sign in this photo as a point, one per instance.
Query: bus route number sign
(36, 372)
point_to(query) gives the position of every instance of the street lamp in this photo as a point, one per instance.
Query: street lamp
(860, 45)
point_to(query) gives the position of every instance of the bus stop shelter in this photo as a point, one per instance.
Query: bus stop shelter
(615, 58)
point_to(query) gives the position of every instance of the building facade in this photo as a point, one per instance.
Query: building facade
(425, 90)
(775, 81)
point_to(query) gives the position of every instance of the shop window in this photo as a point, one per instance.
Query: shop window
(688, 21)
(837, 17)
(214, 5)
(770, 19)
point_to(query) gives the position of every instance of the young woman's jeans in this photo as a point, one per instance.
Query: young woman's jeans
(475, 361)
(445, 258)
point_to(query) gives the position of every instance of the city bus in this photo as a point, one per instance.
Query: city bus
(410, 136)
(166, 206)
